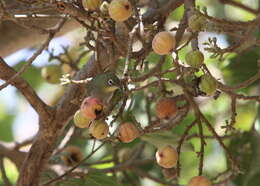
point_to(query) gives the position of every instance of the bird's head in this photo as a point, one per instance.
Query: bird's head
(106, 82)
(111, 82)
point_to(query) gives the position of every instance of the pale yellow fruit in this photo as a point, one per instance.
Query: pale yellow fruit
(167, 157)
(91, 4)
(163, 43)
(208, 85)
(99, 129)
(194, 58)
(199, 181)
(51, 74)
(80, 120)
(120, 10)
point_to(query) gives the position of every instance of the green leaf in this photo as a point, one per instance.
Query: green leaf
(6, 124)
(32, 74)
(246, 114)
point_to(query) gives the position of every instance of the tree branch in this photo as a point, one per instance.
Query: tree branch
(240, 5)
(7, 73)
(14, 155)
(35, 55)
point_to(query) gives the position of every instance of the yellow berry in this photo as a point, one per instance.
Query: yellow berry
(167, 157)
(99, 129)
(199, 181)
(120, 10)
(163, 43)
(208, 85)
(194, 58)
(51, 74)
(80, 120)
(127, 132)
(91, 4)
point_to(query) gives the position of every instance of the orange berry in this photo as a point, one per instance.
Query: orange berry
(199, 181)
(120, 10)
(166, 108)
(163, 43)
(167, 157)
(127, 132)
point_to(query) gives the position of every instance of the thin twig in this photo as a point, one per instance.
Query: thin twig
(35, 55)
(240, 5)
(202, 144)
(129, 51)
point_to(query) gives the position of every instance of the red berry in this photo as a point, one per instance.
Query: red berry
(91, 107)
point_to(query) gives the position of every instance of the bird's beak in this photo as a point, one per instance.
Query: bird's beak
(111, 88)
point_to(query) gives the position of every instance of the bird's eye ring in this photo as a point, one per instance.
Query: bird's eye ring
(110, 82)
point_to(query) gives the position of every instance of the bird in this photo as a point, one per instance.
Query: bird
(105, 86)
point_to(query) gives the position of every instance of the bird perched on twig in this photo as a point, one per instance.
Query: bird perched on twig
(105, 86)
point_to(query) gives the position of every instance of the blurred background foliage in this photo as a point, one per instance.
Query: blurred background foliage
(19, 122)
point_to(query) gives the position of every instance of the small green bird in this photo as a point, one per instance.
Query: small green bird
(104, 86)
